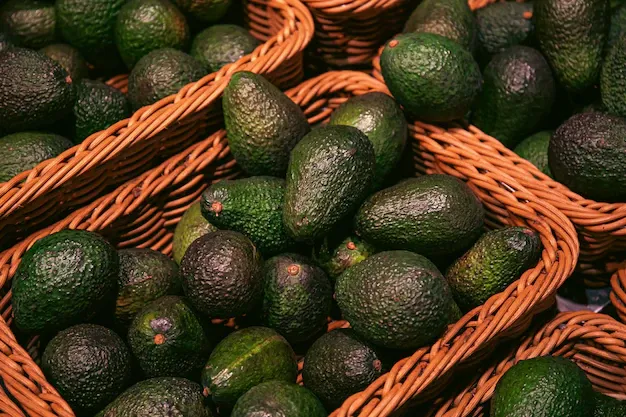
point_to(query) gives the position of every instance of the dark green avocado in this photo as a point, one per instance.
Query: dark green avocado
(219, 45)
(502, 25)
(29, 23)
(278, 398)
(69, 58)
(535, 149)
(191, 226)
(336, 255)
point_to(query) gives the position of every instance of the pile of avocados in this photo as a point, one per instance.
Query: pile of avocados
(55, 55)
(546, 78)
(321, 227)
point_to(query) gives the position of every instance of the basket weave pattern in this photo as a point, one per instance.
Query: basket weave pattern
(153, 133)
(596, 342)
(618, 291)
(144, 211)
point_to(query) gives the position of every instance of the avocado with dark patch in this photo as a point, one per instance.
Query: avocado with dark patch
(535, 149)
(191, 226)
(219, 45)
(29, 23)
(278, 398)
(335, 253)
(502, 25)
(69, 58)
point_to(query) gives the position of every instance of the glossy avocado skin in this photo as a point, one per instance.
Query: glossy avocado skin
(492, 264)
(244, 359)
(89, 365)
(159, 397)
(261, 137)
(502, 25)
(340, 364)
(330, 173)
(65, 278)
(222, 274)
(279, 398)
(191, 226)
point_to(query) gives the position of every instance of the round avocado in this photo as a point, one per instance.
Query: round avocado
(278, 398)
(191, 226)
(29, 23)
(219, 45)
(69, 58)
(206, 11)
(502, 25)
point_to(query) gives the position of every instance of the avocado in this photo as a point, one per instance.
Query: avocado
(502, 25)
(219, 45)
(191, 226)
(161, 73)
(35, 91)
(544, 386)
(143, 26)
(449, 215)
(606, 406)
(433, 93)
(396, 300)
(252, 206)
(245, 359)
(613, 79)
(492, 264)
(330, 173)
(5, 41)
(206, 11)
(261, 137)
(89, 26)
(167, 338)
(278, 398)
(587, 153)
(336, 254)
(571, 34)
(69, 58)
(65, 278)
(518, 94)
(535, 149)
(144, 276)
(89, 365)
(297, 297)
(20, 152)
(222, 274)
(159, 397)
(382, 120)
(450, 18)
(98, 106)
(618, 24)
(29, 23)
(340, 364)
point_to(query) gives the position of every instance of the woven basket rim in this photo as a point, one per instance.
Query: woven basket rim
(618, 290)
(341, 8)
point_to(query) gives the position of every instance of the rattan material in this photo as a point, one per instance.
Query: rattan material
(110, 157)
(618, 291)
(596, 342)
(144, 211)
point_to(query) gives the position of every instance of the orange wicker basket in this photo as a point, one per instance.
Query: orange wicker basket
(618, 291)
(108, 158)
(144, 211)
(596, 342)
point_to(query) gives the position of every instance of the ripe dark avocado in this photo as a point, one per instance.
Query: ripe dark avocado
(571, 35)
(330, 173)
(69, 58)
(144, 276)
(20, 152)
(159, 397)
(35, 91)
(613, 79)
(431, 93)
(89, 26)
(161, 73)
(64, 278)
(167, 338)
(535, 149)
(143, 26)
(587, 153)
(502, 25)
(396, 300)
(222, 274)
(492, 264)
(252, 206)
(207, 11)
(608, 407)
(297, 297)
(449, 215)
(98, 106)
(382, 120)
(336, 255)
(261, 137)
(190, 227)
(450, 18)
(544, 386)
(338, 365)
(518, 94)
(245, 359)
(278, 398)
(219, 45)
(89, 365)
(29, 23)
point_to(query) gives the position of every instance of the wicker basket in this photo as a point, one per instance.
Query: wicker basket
(618, 291)
(144, 211)
(108, 158)
(596, 342)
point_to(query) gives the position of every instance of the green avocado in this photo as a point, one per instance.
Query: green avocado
(69, 58)
(219, 45)
(191, 226)
(278, 398)
(336, 254)
(502, 25)
(613, 79)
(535, 149)
(29, 23)
(205, 11)
(608, 407)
